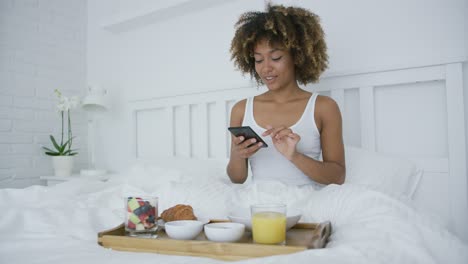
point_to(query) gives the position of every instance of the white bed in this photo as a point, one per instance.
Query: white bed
(405, 199)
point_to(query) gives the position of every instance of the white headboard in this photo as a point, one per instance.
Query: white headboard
(417, 113)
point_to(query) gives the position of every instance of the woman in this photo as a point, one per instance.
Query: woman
(281, 48)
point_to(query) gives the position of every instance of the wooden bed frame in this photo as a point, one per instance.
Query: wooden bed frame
(417, 113)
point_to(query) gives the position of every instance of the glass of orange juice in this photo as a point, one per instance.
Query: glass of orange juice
(269, 223)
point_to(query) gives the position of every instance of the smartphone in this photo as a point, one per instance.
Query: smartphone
(248, 133)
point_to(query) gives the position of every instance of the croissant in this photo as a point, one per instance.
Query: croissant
(178, 212)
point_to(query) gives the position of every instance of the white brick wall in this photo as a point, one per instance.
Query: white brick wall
(42, 47)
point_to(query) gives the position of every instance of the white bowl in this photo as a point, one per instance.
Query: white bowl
(224, 232)
(161, 222)
(183, 229)
(243, 216)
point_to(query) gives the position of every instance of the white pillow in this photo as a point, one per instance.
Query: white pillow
(189, 169)
(389, 173)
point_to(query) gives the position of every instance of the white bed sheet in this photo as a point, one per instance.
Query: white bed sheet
(59, 224)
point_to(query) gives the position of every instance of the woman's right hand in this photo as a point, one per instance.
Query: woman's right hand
(243, 149)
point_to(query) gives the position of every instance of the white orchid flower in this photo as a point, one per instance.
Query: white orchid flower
(64, 147)
(65, 103)
(61, 107)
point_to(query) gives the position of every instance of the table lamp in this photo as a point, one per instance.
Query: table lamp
(94, 103)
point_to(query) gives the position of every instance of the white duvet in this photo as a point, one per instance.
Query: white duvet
(59, 224)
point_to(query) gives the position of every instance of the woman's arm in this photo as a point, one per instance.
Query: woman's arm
(332, 169)
(240, 150)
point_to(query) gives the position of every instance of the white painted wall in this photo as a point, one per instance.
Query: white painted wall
(144, 50)
(140, 49)
(42, 47)
(465, 70)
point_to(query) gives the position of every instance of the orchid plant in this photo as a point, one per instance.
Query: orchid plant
(64, 148)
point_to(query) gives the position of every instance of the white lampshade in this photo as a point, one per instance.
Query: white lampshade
(94, 103)
(95, 100)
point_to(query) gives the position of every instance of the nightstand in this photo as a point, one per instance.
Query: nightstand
(52, 180)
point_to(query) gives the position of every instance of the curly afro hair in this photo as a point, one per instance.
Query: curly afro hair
(295, 28)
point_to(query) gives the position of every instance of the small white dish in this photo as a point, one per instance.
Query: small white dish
(161, 222)
(242, 216)
(224, 232)
(183, 229)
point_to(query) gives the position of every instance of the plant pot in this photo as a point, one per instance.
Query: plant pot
(63, 165)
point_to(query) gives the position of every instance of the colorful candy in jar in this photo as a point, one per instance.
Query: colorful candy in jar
(141, 214)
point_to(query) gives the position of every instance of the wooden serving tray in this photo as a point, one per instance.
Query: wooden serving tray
(301, 237)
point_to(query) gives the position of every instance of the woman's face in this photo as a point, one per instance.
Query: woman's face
(274, 65)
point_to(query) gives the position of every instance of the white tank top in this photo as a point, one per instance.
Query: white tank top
(269, 165)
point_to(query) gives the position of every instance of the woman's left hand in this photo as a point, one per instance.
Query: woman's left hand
(284, 139)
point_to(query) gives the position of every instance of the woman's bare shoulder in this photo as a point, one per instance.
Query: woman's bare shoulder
(326, 103)
(327, 108)
(239, 106)
(237, 112)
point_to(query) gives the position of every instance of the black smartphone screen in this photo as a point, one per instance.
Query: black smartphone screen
(248, 133)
